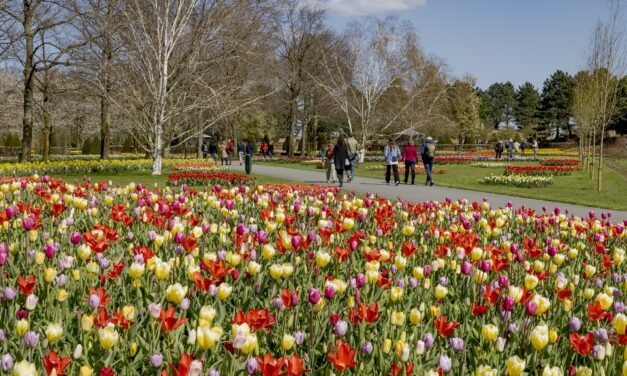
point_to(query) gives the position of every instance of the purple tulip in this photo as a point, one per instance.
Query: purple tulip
(9, 293)
(28, 223)
(21, 313)
(367, 348)
(601, 335)
(31, 339)
(277, 303)
(413, 282)
(428, 339)
(457, 344)
(94, 301)
(445, 363)
(531, 308)
(360, 280)
(3, 336)
(6, 362)
(156, 359)
(251, 366)
(508, 303)
(313, 295)
(184, 304)
(329, 292)
(75, 238)
(466, 268)
(299, 337)
(341, 327)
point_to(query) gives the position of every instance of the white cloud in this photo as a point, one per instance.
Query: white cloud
(369, 7)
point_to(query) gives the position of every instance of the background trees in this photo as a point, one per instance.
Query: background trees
(157, 75)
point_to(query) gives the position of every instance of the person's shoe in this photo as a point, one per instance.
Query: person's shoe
(398, 182)
(328, 181)
(427, 182)
(431, 184)
(341, 185)
(387, 183)
(405, 182)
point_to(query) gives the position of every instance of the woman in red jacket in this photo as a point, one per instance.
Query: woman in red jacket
(410, 156)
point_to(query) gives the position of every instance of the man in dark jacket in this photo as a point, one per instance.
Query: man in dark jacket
(427, 153)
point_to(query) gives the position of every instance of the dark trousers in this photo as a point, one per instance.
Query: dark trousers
(388, 169)
(410, 165)
(340, 176)
(428, 167)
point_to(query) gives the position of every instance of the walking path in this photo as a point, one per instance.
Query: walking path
(418, 193)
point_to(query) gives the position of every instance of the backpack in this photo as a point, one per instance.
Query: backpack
(430, 150)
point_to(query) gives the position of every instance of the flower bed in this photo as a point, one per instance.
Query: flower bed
(490, 164)
(560, 162)
(284, 280)
(208, 178)
(199, 167)
(541, 170)
(83, 166)
(522, 181)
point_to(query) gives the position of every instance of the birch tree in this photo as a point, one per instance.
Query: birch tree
(377, 74)
(606, 61)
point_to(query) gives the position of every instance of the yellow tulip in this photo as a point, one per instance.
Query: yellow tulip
(515, 366)
(207, 337)
(489, 332)
(415, 316)
(86, 370)
(87, 322)
(287, 342)
(540, 337)
(22, 327)
(440, 292)
(24, 368)
(108, 337)
(54, 332)
(224, 291)
(176, 293)
(620, 324)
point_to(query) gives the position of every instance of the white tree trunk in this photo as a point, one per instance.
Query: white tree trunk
(157, 153)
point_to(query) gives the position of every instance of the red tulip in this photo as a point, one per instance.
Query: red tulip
(344, 357)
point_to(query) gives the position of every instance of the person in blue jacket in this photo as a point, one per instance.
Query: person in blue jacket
(392, 154)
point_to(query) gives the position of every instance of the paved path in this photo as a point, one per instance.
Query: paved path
(421, 192)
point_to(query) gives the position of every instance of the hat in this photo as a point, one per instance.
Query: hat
(429, 139)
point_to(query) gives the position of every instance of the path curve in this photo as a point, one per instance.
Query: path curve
(417, 193)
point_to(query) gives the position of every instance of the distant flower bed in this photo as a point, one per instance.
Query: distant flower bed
(199, 167)
(209, 178)
(540, 170)
(522, 181)
(560, 162)
(490, 164)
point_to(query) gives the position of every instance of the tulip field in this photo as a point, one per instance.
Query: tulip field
(249, 279)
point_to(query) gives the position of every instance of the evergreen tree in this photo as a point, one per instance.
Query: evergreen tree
(502, 102)
(557, 102)
(527, 105)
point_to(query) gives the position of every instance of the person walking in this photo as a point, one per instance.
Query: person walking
(351, 143)
(229, 151)
(510, 148)
(392, 155)
(498, 149)
(213, 150)
(330, 164)
(224, 154)
(340, 159)
(248, 161)
(427, 153)
(240, 152)
(535, 148)
(523, 146)
(264, 149)
(410, 156)
(205, 150)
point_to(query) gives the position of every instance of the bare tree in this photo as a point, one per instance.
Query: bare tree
(297, 26)
(606, 61)
(377, 74)
(28, 21)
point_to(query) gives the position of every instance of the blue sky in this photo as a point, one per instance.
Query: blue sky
(494, 40)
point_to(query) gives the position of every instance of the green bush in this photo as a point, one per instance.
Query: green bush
(91, 146)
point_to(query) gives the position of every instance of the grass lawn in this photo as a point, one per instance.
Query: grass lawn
(146, 178)
(573, 189)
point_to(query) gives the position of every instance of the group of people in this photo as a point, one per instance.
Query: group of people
(410, 154)
(226, 151)
(343, 157)
(514, 148)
